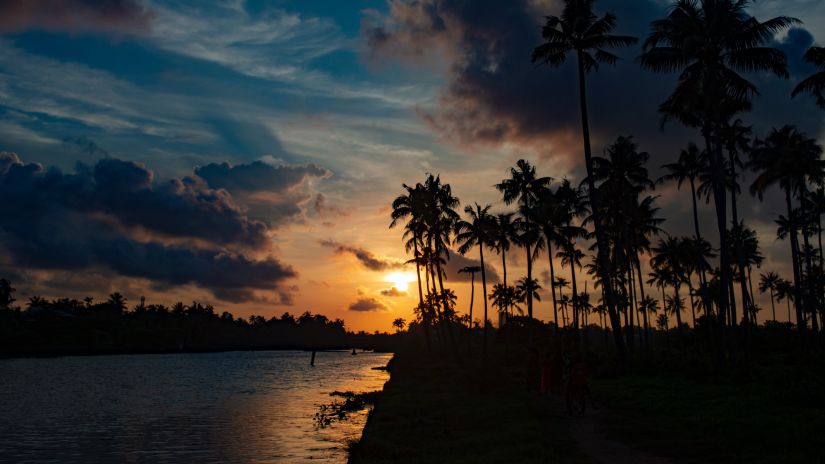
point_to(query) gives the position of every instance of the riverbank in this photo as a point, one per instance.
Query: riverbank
(434, 410)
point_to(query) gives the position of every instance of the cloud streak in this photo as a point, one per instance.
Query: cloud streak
(366, 258)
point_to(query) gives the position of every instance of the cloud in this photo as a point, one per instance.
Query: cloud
(114, 216)
(366, 258)
(85, 146)
(114, 16)
(393, 292)
(367, 304)
(259, 176)
(323, 208)
(495, 97)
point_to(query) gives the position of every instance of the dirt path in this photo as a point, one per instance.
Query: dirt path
(599, 448)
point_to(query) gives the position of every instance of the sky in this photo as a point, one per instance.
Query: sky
(245, 153)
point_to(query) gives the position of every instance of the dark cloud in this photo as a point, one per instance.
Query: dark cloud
(366, 258)
(114, 16)
(85, 145)
(393, 292)
(53, 220)
(259, 176)
(495, 96)
(323, 208)
(367, 304)
(458, 262)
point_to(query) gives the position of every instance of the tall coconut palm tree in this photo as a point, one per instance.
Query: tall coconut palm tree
(412, 206)
(476, 232)
(711, 42)
(791, 160)
(561, 283)
(503, 233)
(692, 161)
(580, 32)
(769, 283)
(472, 270)
(551, 217)
(525, 188)
(785, 290)
(814, 85)
(688, 167)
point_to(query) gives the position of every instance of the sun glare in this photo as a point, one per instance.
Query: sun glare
(400, 280)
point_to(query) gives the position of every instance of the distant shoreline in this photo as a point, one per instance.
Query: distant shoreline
(90, 353)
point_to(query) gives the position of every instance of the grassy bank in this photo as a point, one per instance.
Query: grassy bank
(771, 413)
(435, 411)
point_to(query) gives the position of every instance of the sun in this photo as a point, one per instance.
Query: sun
(400, 280)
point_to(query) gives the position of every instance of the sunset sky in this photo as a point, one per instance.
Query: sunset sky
(245, 153)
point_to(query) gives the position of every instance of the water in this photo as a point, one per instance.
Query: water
(239, 407)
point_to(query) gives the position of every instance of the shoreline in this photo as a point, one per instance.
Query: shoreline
(433, 410)
(91, 353)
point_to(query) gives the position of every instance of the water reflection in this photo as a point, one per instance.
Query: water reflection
(208, 408)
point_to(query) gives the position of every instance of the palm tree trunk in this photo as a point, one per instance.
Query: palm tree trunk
(773, 307)
(484, 289)
(800, 318)
(504, 266)
(631, 330)
(575, 288)
(690, 297)
(470, 322)
(529, 278)
(740, 258)
(446, 319)
(809, 300)
(642, 293)
(424, 316)
(552, 282)
(677, 307)
(601, 242)
(702, 277)
(720, 203)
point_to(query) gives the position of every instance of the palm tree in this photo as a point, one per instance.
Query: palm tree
(503, 233)
(525, 188)
(814, 85)
(785, 290)
(769, 283)
(551, 216)
(504, 297)
(413, 207)
(476, 232)
(688, 167)
(525, 287)
(571, 257)
(561, 283)
(670, 258)
(789, 159)
(399, 324)
(117, 302)
(710, 42)
(580, 32)
(692, 161)
(472, 270)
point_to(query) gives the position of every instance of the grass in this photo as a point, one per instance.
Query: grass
(434, 411)
(768, 414)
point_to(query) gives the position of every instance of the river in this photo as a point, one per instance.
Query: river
(235, 407)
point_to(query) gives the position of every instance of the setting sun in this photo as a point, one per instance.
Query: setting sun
(400, 280)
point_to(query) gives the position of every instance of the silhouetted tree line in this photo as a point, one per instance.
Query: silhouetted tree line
(609, 224)
(69, 326)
